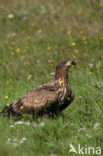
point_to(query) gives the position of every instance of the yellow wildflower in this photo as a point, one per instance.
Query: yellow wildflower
(80, 12)
(62, 81)
(59, 90)
(101, 4)
(22, 57)
(69, 32)
(33, 24)
(85, 42)
(23, 31)
(29, 77)
(52, 64)
(84, 38)
(89, 15)
(28, 37)
(27, 47)
(12, 43)
(74, 57)
(18, 50)
(8, 104)
(81, 32)
(11, 80)
(49, 48)
(12, 53)
(41, 37)
(76, 51)
(87, 68)
(89, 73)
(7, 82)
(68, 98)
(85, 54)
(21, 107)
(73, 44)
(6, 97)
(61, 29)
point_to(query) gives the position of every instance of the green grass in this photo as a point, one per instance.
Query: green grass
(35, 26)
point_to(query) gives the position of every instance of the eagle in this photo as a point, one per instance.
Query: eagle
(47, 99)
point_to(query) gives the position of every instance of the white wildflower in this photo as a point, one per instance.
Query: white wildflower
(96, 125)
(81, 129)
(23, 140)
(22, 123)
(91, 65)
(10, 16)
(12, 126)
(88, 135)
(8, 141)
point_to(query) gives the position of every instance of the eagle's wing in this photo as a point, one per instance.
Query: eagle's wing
(35, 101)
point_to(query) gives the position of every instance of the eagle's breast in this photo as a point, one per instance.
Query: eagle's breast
(62, 88)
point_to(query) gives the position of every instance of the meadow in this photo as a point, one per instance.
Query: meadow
(34, 36)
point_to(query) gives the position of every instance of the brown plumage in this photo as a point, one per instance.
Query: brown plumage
(50, 98)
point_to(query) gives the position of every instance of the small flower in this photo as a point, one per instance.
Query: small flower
(52, 64)
(76, 51)
(62, 81)
(23, 140)
(69, 32)
(29, 77)
(90, 73)
(81, 129)
(10, 79)
(22, 57)
(85, 42)
(22, 123)
(21, 107)
(73, 44)
(68, 98)
(88, 135)
(81, 32)
(61, 29)
(10, 16)
(8, 104)
(12, 53)
(23, 31)
(41, 37)
(96, 125)
(49, 48)
(28, 37)
(12, 43)
(74, 57)
(91, 65)
(27, 47)
(101, 4)
(18, 50)
(59, 90)
(33, 24)
(84, 38)
(6, 97)
(7, 82)
(85, 54)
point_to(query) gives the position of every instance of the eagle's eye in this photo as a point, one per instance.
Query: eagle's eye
(65, 62)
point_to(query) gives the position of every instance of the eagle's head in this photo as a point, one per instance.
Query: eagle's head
(62, 68)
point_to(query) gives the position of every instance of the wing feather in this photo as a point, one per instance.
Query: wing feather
(36, 100)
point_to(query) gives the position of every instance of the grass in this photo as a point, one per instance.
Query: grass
(38, 36)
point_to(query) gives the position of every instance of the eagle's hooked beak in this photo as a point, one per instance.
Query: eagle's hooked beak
(70, 63)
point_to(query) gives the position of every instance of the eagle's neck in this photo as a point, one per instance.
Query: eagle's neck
(61, 81)
(62, 75)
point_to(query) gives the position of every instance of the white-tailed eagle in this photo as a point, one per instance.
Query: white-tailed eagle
(50, 98)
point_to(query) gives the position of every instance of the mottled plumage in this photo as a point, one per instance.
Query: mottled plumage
(50, 98)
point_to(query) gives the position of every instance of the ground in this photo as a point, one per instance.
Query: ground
(34, 37)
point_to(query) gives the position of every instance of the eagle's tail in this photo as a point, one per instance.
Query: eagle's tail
(8, 110)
